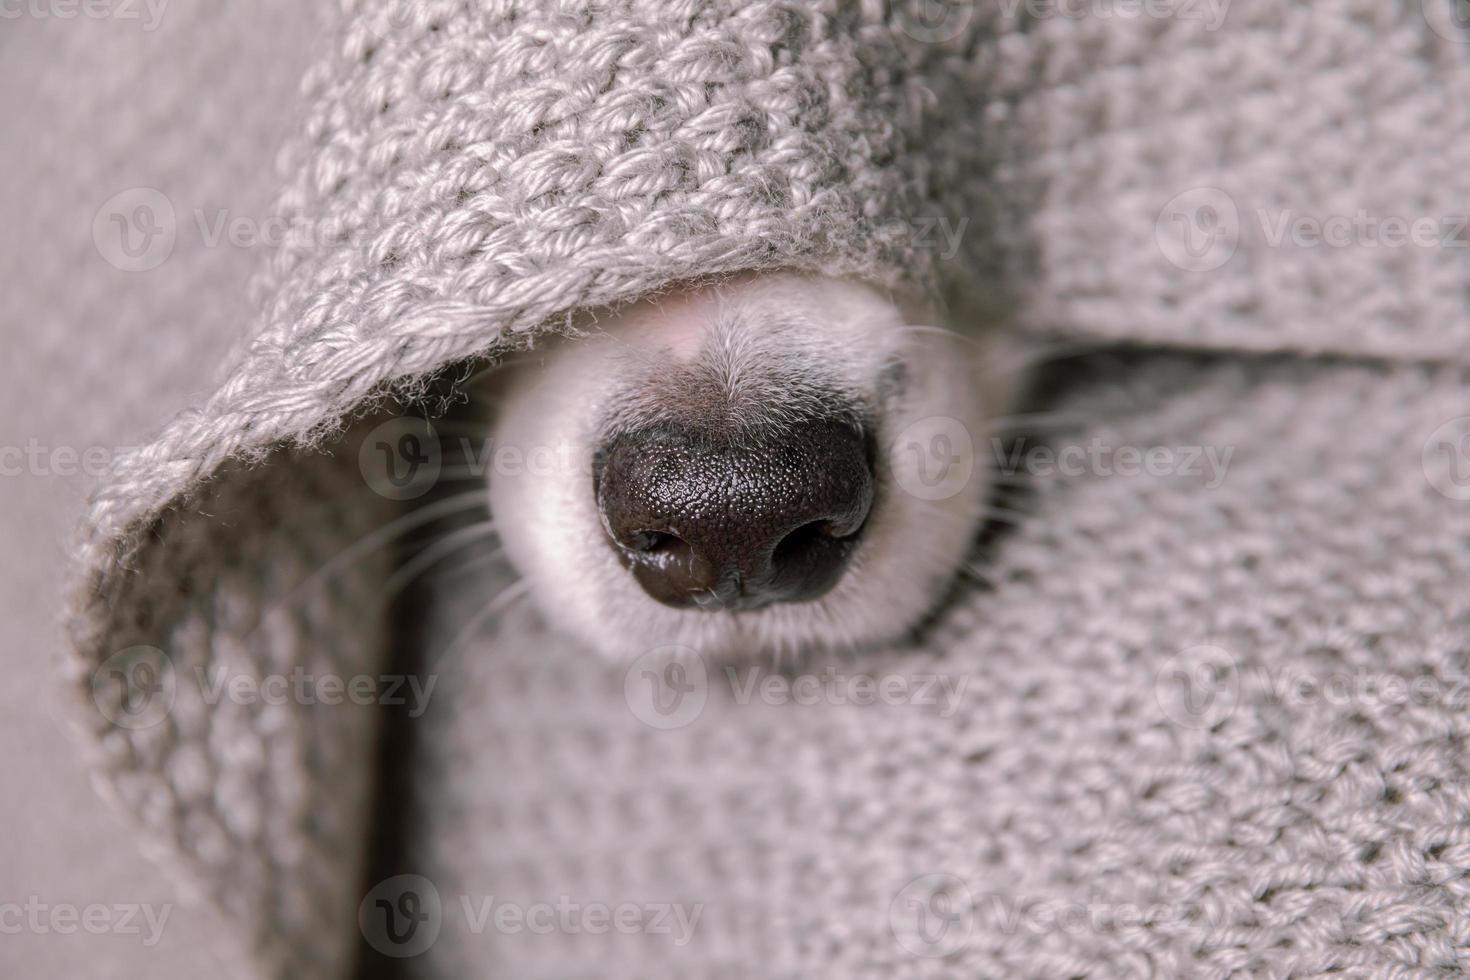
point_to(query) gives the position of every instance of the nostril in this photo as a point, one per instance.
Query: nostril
(803, 540)
(810, 560)
(653, 542)
(671, 571)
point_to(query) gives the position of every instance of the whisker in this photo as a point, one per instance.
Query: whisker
(933, 508)
(467, 564)
(1030, 354)
(477, 560)
(486, 471)
(1006, 503)
(998, 515)
(380, 538)
(1024, 353)
(442, 548)
(509, 360)
(452, 424)
(504, 598)
(982, 577)
(995, 510)
(974, 348)
(942, 331)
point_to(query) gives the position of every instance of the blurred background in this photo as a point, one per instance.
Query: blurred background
(81, 149)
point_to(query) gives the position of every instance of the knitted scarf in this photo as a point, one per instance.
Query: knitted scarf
(1246, 177)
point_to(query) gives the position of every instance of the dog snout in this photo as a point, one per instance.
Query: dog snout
(737, 522)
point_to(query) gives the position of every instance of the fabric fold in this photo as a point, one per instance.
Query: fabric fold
(471, 176)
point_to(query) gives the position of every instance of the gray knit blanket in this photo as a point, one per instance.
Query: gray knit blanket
(1199, 708)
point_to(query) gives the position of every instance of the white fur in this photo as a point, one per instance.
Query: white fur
(911, 548)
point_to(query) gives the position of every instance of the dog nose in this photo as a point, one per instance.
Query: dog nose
(739, 522)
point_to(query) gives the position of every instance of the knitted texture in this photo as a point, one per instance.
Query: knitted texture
(1307, 815)
(469, 175)
(263, 800)
(94, 356)
(1293, 176)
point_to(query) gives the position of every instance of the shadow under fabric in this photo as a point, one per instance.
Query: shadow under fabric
(470, 175)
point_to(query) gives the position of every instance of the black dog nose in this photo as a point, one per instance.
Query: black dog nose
(737, 523)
